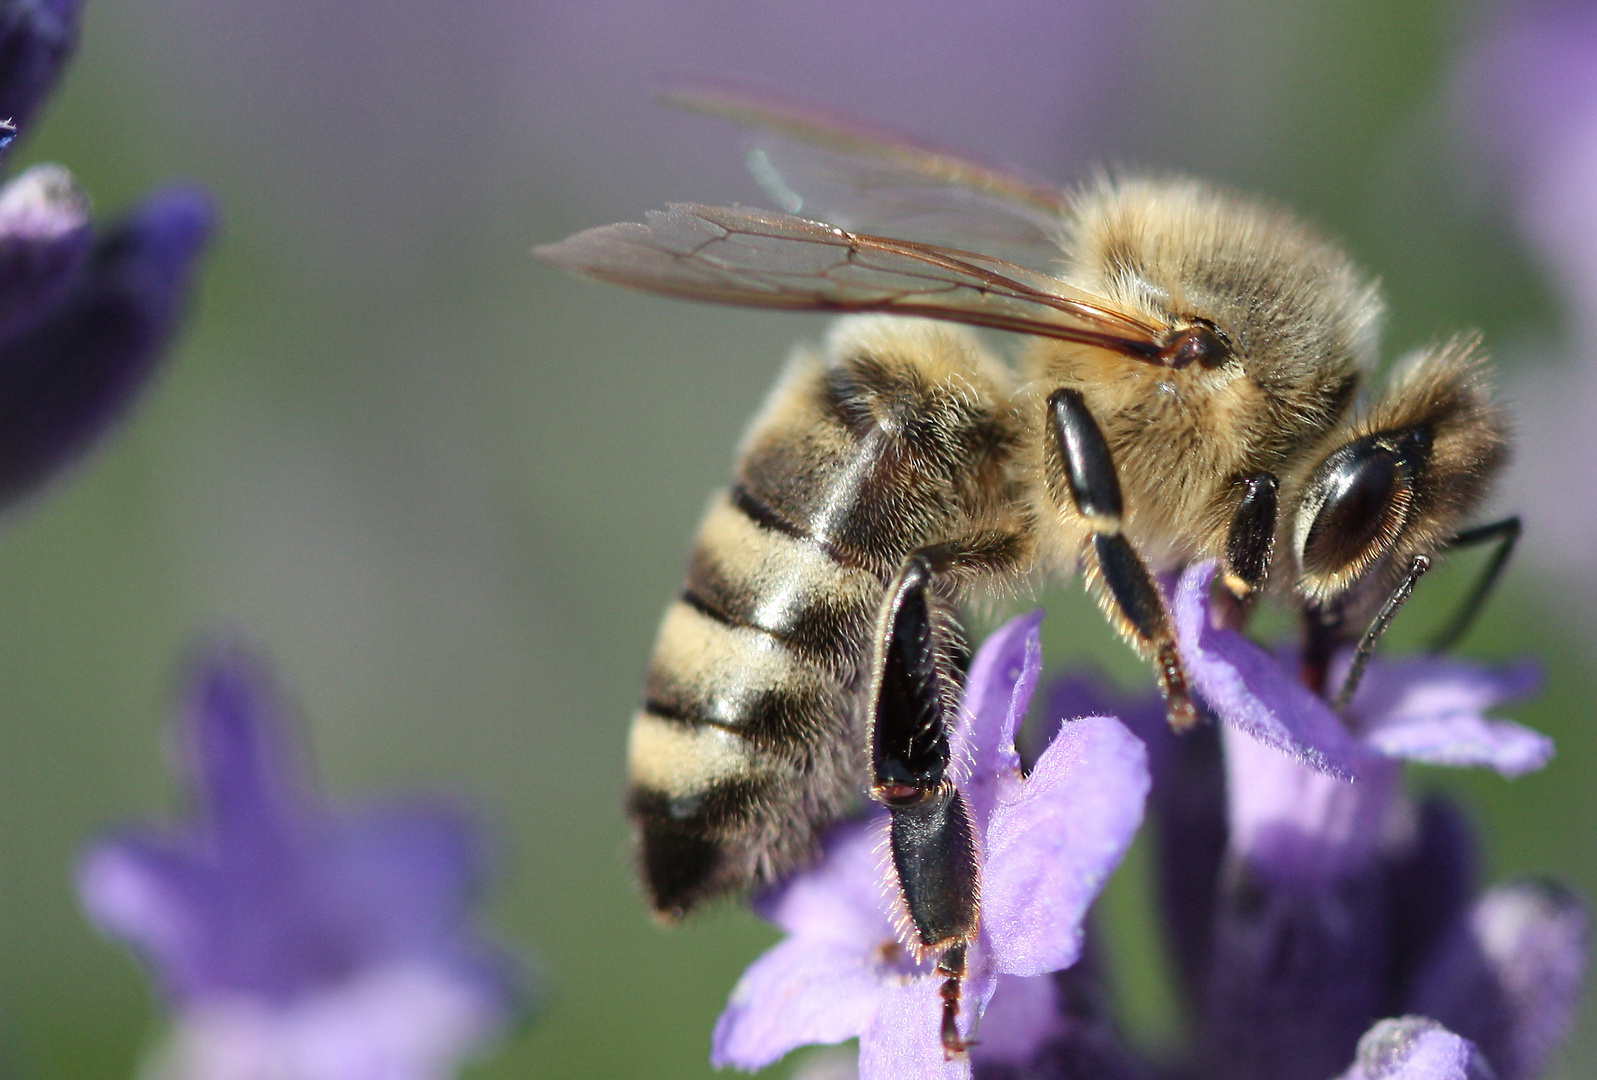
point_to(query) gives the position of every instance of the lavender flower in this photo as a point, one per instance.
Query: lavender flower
(36, 38)
(1049, 841)
(82, 319)
(293, 942)
(1305, 895)
(1308, 913)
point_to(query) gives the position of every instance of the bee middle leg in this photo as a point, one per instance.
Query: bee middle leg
(914, 695)
(1129, 590)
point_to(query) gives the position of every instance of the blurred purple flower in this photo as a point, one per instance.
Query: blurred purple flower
(82, 319)
(293, 942)
(1528, 93)
(1527, 103)
(36, 39)
(1049, 841)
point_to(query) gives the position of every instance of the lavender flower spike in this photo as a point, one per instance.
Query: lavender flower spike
(36, 39)
(1316, 924)
(293, 942)
(69, 367)
(1049, 841)
(82, 321)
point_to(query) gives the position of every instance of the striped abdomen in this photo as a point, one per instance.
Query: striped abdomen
(749, 739)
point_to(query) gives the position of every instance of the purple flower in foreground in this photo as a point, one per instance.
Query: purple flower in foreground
(292, 942)
(1414, 1048)
(1049, 841)
(1313, 926)
(82, 318)
(1304, 894)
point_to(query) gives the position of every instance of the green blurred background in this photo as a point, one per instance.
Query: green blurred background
(447, 490)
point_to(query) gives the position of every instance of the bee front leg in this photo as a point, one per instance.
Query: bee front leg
(913, 697)
(1128, 589)
(1250, 541)
(1506, 534)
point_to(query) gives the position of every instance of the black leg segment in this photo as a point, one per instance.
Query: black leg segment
(1366, 647)
(933, 839)
(1089, 468)
(1128, 589)
(1250, 542)
(934, 854)
(909, 736)
(1506, 534)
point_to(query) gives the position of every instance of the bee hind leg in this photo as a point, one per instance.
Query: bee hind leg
(952, 965)
(1126, 588)
(914, 692)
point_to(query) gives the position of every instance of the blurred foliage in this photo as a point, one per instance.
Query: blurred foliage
(448, 490)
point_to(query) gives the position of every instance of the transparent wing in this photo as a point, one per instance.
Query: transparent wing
(834, 169)
(766, 259)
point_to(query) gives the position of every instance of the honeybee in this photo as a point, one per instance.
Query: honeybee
(1189, 387)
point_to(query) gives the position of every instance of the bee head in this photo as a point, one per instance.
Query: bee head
(1258, 307)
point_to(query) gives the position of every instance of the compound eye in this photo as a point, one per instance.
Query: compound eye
(1363, 492)
(1201, 343)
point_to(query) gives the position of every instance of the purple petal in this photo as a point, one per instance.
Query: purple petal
(412, 872)
(404, 1022)
(44, 242)
(1251, 690)
(271, 903)
(153, 899)
(1416, 1048)
(1509, 976)
(1053, 841)
(801, 991)
(36, 39)
(843, 897)
(1186, 808)
(240, 769)
(68, 376)
(1431, 710)
(1003, 677)
(1295, 824)
(903, 1040)
(1022, 1015)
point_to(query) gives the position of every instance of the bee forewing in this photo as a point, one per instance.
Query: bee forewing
(764, 259)
(862, 178)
